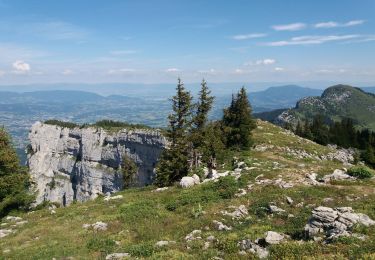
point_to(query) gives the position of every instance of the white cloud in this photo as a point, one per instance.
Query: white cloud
(260, 62)
(210, 71)
(172, 70)
(20, 66)
(289, 27)
(123, 52)
(354, 23)
(315, 39)
(279, 69)
(67, 72)
(120, 71)
(2, 73)
(248, 36)
(332, 24)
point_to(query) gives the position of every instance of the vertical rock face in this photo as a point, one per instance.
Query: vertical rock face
(70, 164)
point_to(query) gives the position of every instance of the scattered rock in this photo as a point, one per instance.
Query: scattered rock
(275, 209)
(274, 238)
(311, 179)
(249, 246)
(221, 227)
(238, 213)
(98, 226)
(211, 239)
(289, 200)
(338, 175)
(21, 223)
(13, 219)
(194, 235)
(117, 256)
(335, 222)
(160, 189)
(241, 192)
(188, 181)
(163, 243)
(108, 198)
(5, 232)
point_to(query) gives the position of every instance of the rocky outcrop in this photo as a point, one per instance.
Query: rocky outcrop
(68, 164)
(335, 222)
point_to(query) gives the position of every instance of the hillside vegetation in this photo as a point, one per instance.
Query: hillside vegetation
(278, 173)
(336, 103)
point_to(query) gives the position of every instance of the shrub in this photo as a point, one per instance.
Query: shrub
(61, 123)
(226, 187)
(129, 170)
(131, 212)
(100, 244)
(141, 250)
(361, 172)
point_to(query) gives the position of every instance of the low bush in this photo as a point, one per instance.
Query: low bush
(361, 172)
(141, 250)
(100, 244)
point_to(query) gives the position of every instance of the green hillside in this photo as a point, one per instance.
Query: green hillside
(336, 103)
(140, 217)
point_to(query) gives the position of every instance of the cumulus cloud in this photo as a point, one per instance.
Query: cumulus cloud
(313, 39)
(172, 70)
(20, 66)
(240, 37)
(289, 27)
(332, 24)
(279, 69)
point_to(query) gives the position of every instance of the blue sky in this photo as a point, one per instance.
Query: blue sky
(156, 41)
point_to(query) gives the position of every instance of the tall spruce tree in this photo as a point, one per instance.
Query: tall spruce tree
(14, 179)
(238, 122)
(173, 163)
(200, 118)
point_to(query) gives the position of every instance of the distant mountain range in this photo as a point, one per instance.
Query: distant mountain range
(18, 110)
(335, 103)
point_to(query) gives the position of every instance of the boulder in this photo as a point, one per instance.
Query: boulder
(188, 181)
(338, 175)
(273, 238)
(335, 222)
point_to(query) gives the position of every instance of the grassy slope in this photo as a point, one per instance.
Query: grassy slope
(141, 217)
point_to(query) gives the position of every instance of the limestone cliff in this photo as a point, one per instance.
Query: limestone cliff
(70, 164)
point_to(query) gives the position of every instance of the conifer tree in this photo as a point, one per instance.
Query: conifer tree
(173, 164)
(299, 129)
(200, 119)
(238, 122)
(14, 179)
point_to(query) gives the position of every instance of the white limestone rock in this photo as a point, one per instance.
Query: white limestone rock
(274, 238)
(117, 256)
(221, 227)
(82, 163)
(188, 181)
